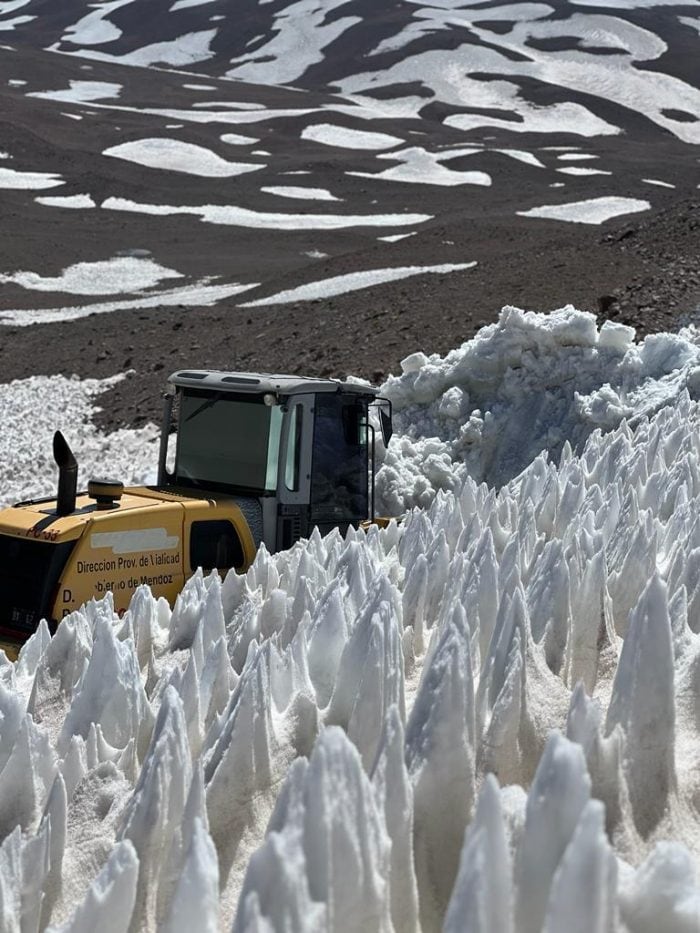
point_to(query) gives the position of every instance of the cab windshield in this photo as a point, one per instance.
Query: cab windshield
(227, 442)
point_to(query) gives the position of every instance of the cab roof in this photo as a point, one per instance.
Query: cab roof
(220, 381)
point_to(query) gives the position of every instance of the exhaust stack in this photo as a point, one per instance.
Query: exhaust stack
(67, 475)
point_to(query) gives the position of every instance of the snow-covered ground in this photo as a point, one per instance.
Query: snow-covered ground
(32, 409)
(481, 719)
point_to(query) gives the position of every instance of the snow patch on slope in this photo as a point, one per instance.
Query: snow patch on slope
(95, 28)
(418, 166)
(73, 201)
(299, 193)
(342, 137)
(299, 37)
(120, 275)
(354, 281)
(173, 155)
(11, 178)
(185, 50)
(263, 220)
(590, 211)
(81, 92)
(194, 295)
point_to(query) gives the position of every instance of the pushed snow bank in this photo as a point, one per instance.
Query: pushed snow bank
(32, 409)
(484, 718)
(528, 383)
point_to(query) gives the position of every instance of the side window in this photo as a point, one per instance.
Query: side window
(215, 544)
(291, 467)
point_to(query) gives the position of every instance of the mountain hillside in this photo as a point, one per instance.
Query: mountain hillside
(290, 186)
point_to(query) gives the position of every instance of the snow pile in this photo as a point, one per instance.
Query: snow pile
(486, 712)
(528, 383)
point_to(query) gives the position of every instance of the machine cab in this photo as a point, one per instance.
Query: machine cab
(294, 453)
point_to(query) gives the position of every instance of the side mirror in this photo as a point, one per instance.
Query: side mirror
(385, 420)
(166, 428)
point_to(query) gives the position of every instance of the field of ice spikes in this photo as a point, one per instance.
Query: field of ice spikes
(484, 718)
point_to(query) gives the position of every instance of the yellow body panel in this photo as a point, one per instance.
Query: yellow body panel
(120, 549)
(144, 538)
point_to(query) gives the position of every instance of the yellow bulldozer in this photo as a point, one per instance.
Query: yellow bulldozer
(258, 459)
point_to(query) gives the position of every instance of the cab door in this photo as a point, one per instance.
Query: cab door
(339, 493)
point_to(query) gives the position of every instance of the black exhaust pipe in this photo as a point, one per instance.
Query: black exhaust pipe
(67, 475)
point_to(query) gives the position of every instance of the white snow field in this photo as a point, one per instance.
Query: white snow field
(481, 719)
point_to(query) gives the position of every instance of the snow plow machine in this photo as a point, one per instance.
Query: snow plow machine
(258, 459)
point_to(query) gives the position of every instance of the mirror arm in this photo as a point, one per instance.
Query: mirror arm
(373, 433)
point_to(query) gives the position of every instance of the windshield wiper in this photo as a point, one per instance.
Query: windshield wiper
(207, 404)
